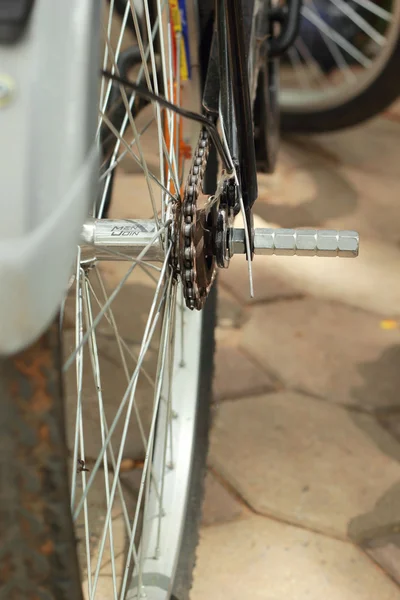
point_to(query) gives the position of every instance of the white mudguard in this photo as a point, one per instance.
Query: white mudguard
(48, 160)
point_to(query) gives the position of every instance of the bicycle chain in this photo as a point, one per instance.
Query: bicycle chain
(197, 270)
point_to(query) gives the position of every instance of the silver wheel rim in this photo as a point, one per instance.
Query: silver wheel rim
(305, 89)
(129, 511)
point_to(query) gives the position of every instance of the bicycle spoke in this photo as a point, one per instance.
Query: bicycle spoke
(144, 265)
(154, 315)
(336, 37)
(125, 439)
(94, 355)
(373, 8)
(157, 397)
(117, 53)
(313, 66)
(132, 391)
(96, 321)
(156, 91)
(79, 444)
(347, 45)
(358, 20)
(143, 161)
(136, 158)
(181, 305)
(104, 422)
(105, 58)
(299, 71)
(79, 374)
(142, 70)
(120, 340)
(121, 343)
(122, 155)
(168, 420)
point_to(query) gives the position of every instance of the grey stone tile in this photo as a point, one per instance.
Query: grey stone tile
(308, 462)
(339, 197)
(393, 111)
(267, 285)
(306, 196)
(261, 559)
(375, 211)
(372, 147)
(219, 506)
(385, 551)
(236, 375)
(230, 313)
(370, 281)
(327, 349)
(391, 422)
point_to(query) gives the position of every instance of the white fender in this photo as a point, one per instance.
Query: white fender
(48, 161)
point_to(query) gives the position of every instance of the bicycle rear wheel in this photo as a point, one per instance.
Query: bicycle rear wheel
(343, 67)
(137, 366)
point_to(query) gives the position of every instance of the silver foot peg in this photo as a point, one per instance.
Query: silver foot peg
(124, 239)
(300, 242)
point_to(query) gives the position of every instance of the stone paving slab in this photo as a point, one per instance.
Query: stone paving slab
(369, 282)
(318, 194)
(219, 505)
(393, 112)
(236, 375)
(376, 212)
(261, 559)
(308, 462)
(385, 551)
(327, 349)
(267, 286)
(368, 147)
(230, 313)
(391, 422)
(306, 196)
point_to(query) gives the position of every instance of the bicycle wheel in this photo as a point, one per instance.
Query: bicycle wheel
(137, 367)
(264, 76)
(343, 68)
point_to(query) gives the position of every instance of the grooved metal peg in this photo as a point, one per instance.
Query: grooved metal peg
(123, 239)
(300, 242)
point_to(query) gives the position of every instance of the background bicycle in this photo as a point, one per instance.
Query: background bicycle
(127, 456)
(343, 68)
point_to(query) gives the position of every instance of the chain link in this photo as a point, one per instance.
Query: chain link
(195, 295)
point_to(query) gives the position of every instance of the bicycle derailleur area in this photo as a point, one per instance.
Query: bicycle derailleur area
(203, 242)
(203, 235)
(205, 239)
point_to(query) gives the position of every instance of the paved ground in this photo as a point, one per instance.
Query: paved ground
(303, 489)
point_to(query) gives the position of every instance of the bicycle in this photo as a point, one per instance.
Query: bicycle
(343, 66)
(101, 483)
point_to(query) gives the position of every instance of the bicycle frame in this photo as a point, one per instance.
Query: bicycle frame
(227, 87)
(49, 100)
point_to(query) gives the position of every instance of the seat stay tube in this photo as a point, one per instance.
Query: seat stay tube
(236, 23)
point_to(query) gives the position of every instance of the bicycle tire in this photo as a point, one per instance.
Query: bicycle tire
(38, 550)
(190, 538)
(371, 101)
(38, 557)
